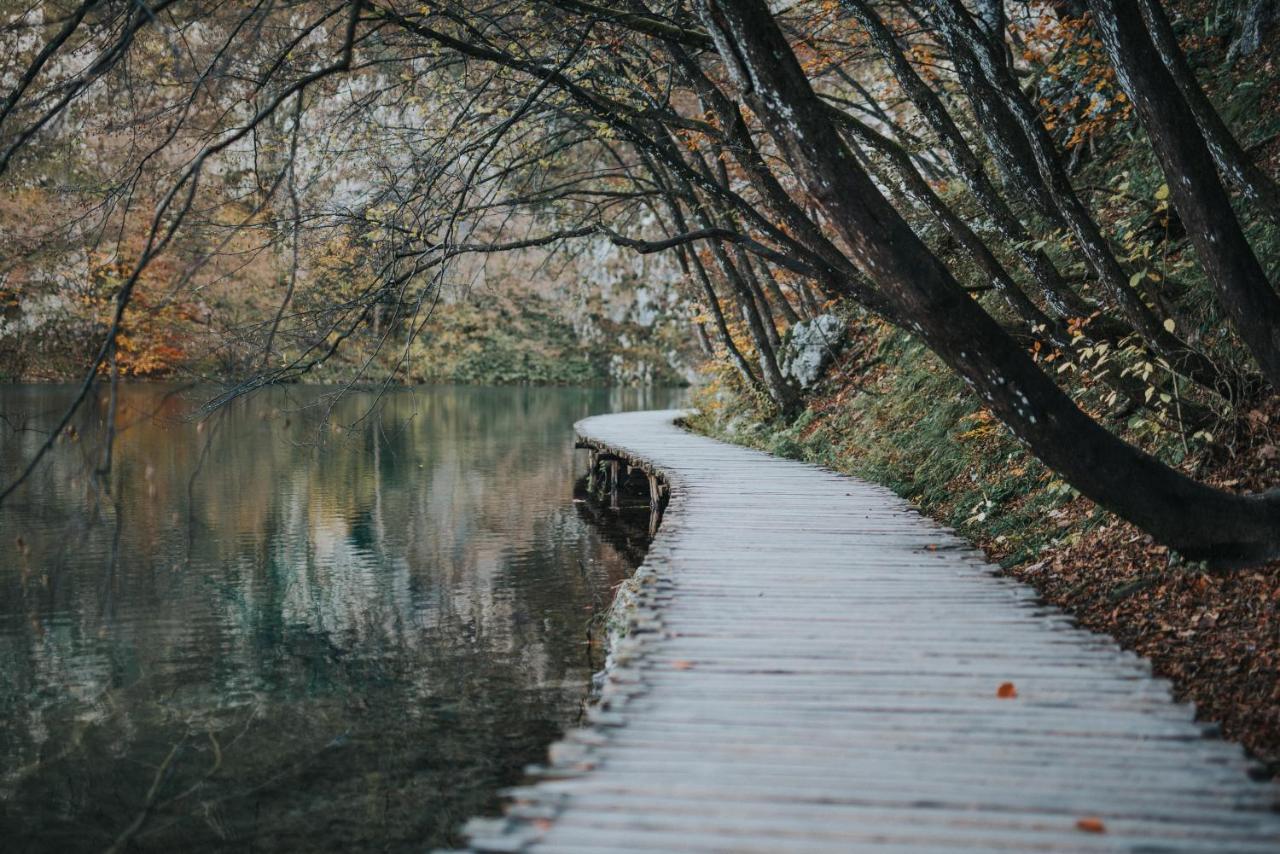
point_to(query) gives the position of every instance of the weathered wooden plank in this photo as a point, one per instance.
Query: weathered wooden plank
(813, 667)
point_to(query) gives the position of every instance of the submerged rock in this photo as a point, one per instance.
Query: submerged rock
(810, 347)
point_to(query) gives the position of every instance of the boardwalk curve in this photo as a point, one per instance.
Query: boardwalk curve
(814, 667)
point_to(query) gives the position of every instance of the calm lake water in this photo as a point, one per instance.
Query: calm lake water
(301, 624)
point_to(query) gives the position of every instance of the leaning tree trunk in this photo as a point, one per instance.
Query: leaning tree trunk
(1233, 162)
(1254, 20)
(969, 49)
(836, 275)
(917, 188)
(775, 290)
(1061, 300)
(1201, 200)
(1194, 518)
(1007, 143)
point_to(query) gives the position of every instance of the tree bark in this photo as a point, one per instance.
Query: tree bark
(1196, 519)
(1058, 297)
(917, 187)
(991, 14)
(1254, 20)
(840, 277)
(967, 40)
(1201, 201)
(1006, 142)
(1232, 161)
(775, 290)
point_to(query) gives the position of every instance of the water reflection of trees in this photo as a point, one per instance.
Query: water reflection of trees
(333, 636)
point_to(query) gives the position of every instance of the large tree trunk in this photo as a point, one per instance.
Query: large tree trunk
(1197, 193)
(1192, 517)
(837, 276)
(1038, 326)
(1227, 152)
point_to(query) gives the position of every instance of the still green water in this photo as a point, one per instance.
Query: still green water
(305, 623)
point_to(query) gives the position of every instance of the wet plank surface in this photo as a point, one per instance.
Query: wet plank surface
(814, 667)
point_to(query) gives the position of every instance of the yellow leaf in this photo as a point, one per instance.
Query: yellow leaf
(1169, 325)
(1163, 192)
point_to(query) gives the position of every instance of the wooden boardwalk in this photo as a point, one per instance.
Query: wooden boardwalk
(814, 667)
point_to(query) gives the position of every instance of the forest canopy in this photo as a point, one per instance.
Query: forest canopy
(1045, 194)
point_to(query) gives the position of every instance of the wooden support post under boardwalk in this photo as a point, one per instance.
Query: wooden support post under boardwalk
(655, 491)
(593, 464)
(814, 667)
(655, 503)
(614, 469)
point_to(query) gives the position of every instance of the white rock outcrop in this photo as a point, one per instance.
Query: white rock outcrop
(810, 347)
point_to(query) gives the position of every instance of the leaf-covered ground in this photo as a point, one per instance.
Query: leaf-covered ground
(1215, 635)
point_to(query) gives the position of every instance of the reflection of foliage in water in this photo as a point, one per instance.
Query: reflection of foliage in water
(340, 645)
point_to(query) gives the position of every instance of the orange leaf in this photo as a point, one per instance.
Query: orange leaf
(1006, 691)
(682, 665)
(1091, 824)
